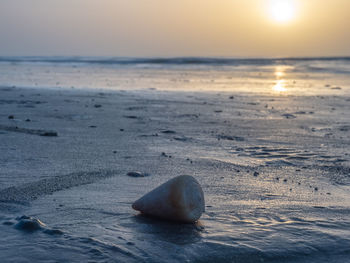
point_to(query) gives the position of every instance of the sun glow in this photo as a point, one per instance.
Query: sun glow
(280, 84)
(282, 11)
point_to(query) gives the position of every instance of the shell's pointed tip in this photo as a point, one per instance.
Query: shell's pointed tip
(135, 206)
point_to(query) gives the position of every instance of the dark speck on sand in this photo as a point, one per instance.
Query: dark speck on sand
(137, 174)
(168, 132)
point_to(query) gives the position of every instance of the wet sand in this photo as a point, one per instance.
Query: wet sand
(274, 170)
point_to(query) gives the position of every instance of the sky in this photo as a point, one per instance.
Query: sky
(172, 28)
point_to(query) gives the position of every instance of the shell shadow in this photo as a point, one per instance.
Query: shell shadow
(173, 232)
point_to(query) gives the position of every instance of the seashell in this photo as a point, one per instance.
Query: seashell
(179, 199)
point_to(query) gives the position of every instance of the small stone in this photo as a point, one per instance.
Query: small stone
(168, 132)
(288, 116)
(29, 224)
(130, 116)
(256, 174)
(137, 174)
(49, 134)
(11, 117)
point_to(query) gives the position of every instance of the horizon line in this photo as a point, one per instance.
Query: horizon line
(154, 59)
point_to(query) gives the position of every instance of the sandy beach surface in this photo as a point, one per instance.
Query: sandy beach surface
(273, 162)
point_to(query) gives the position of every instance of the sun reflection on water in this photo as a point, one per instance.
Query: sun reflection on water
(280, 85)
(279, 73)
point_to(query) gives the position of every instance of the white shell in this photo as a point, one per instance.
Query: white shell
(179, 199)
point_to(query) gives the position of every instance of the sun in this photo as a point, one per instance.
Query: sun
(282, 11)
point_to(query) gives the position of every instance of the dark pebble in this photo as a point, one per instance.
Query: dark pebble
(11, 117)
(137, 174)
(29, 224)
(49, 134)
(130, 117)
(168, 132)
(256, 174)
(288, 116)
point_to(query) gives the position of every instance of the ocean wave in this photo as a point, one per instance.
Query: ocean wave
(214, 61)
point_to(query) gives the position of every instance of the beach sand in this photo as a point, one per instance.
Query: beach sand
(274, 169)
